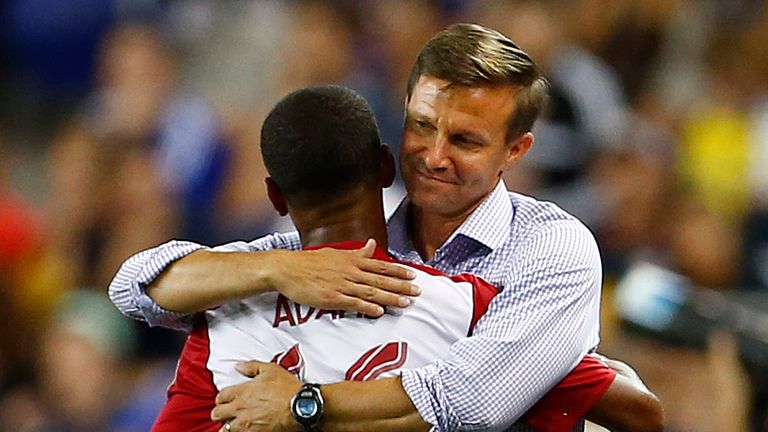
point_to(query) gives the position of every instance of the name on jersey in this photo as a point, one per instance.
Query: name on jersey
(294, 314)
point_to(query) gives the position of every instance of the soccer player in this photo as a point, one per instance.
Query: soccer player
(472, 99)
(338, 204)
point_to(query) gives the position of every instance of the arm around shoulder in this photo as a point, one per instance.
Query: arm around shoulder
(164, 285)
(205, 279)
(128, 289)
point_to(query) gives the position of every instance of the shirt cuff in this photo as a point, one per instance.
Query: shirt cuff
(163, 256)
(416, 385)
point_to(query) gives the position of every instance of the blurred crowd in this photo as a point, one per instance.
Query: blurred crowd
(124, 123)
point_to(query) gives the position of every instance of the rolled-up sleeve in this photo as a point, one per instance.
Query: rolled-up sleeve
(534, 332)
(128, 289)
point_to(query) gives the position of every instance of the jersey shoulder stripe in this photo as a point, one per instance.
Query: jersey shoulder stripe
(482, 291)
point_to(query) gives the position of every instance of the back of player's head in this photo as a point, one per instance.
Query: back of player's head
(319, 142)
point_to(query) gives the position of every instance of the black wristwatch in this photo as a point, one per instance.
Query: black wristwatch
(307, 407)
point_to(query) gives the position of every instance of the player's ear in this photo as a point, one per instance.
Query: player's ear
(387, 170)
(276, 197)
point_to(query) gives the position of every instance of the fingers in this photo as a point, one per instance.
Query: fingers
(250, 368)
(369, 292)
(353, 304)
(369, 248)
(240, 425)
(234, 426)
(384, 268)
(223, 412)
(380, 286)
(371, 295)
(350, 281)
(229, 426)
(226, 395)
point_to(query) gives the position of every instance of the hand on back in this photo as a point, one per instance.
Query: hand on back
(349, 280)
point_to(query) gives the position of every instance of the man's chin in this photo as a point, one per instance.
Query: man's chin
(432, 203)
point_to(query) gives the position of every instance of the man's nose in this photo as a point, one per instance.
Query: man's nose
(436, 157)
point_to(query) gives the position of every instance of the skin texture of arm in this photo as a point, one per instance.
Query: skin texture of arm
(628, 405)
(326, 278)
(387, 409)
(205, 279)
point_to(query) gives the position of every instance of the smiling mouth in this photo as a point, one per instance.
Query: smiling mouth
(434, 179)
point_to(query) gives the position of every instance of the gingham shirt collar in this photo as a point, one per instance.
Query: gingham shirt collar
(488, 225)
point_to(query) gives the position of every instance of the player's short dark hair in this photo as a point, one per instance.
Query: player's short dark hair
(319, 142)
(472, 55)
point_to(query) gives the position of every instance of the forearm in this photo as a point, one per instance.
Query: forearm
(206, 279)
(461, 394)
(380, 405)
(505, 357)
(481, 394)
(628, 407)
(128, 289)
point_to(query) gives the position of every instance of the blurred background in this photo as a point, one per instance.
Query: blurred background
(124, 123)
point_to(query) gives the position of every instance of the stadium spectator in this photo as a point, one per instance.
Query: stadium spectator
(141, 136)
(88, 378)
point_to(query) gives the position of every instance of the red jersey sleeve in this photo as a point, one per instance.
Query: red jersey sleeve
(562, 408)
(192, 395)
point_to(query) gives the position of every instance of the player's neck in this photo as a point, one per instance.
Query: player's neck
(347, 220)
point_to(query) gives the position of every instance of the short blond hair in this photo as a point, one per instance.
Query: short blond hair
(472, 55)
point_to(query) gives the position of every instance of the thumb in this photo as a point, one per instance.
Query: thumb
(250, 368)
(369, 248)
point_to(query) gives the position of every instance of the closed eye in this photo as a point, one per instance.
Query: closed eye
(420, 125)
(424, 124)
(465, 140)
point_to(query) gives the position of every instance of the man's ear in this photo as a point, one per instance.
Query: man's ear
(276, 197)
(387, 171)
(518, 148)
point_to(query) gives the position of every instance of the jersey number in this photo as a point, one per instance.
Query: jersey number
(374, 362)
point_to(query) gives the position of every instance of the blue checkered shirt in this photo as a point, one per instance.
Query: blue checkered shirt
(544, 320)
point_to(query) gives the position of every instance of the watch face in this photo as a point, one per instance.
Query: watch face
(306, 407)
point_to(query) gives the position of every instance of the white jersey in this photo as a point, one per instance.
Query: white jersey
(325, 346)
(319, 345)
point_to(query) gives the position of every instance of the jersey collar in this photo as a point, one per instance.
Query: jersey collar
(379, 253)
